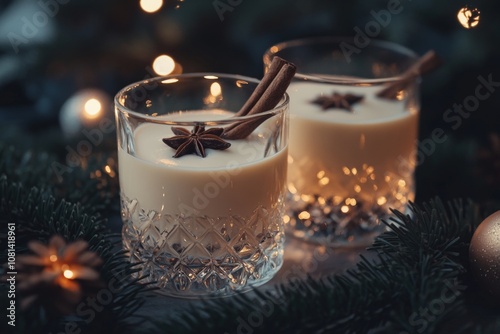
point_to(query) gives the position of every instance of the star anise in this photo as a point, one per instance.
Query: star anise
(336, 100)
(196, 140)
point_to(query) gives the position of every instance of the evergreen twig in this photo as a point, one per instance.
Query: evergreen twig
(37, 216)
(420, 260)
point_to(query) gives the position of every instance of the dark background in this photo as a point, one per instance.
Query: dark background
(109, 44)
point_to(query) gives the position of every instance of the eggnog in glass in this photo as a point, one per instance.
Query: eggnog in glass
(352, 151)
(200, 225)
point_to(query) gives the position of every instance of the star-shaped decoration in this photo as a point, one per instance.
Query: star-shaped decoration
(337, 100)
(58, 275)
(196, 140)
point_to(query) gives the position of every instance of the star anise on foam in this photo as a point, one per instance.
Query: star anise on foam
(196, 140)
(337, 100)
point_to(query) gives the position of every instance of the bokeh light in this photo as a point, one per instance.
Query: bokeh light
(163, 65)
(151, 6)
(215, 89)
(468, 17)
(68, 274)
(92, 108)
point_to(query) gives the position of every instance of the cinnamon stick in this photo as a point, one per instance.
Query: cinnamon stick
(276, 65)
(428, 62)
(265, 97)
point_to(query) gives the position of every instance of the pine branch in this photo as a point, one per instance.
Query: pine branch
(417, 263)
(90, 185)
(37, 216)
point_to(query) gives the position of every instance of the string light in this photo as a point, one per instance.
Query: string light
(163, 65)
(468, 17)
(92, 108)
(151, 6)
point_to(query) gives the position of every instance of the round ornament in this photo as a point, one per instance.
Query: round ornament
(84, 110)
(484, 253)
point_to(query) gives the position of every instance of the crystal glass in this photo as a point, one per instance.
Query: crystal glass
(349, 164)
(201, 225)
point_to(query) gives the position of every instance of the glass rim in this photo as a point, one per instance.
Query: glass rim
(317, 40)
(278, 109)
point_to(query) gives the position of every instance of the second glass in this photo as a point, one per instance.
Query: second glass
(352, 152)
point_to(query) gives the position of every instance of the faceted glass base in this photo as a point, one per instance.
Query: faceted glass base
(322, 221)
(194, 256)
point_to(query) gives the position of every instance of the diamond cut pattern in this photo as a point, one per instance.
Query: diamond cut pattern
(203, 255)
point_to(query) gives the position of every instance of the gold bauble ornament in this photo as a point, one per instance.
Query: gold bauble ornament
(484, 254)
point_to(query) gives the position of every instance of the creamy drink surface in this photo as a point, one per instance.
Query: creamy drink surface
(341, 154)
(227, 182)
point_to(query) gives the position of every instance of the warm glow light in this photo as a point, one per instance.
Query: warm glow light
(211, 77)
(324, 181)
(350, 201)
(169, 81)
(286, 219)
(108, 170)
(305, 198)
(163, 65)
(381, 200)
(400, 95)
(344, 209)
(215, 89)
(304, 215)
(68, 274)
(320, 174)
(468, 17)
(240, 83)
(53, 258)
(92, 108)
(151, 6)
